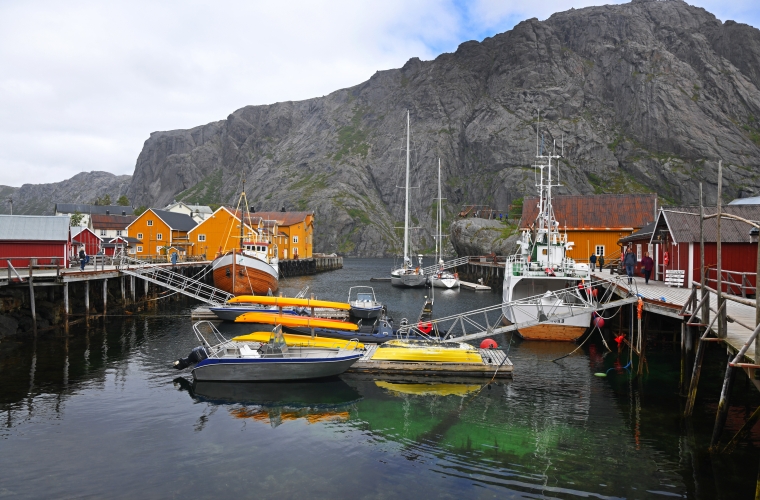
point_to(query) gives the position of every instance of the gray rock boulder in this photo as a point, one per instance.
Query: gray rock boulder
(476, 236)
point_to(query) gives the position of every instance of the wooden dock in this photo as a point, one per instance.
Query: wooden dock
(492, 359)
(741, 318)
(474, 286)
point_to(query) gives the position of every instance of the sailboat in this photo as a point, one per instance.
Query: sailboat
(407, 275)
(253, 268)
(442, 278)
(541, 267)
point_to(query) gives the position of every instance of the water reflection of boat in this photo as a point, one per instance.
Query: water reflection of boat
(428, 388)
(275, 403)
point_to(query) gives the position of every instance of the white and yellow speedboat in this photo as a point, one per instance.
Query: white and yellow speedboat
(295, 340)
(427, 351)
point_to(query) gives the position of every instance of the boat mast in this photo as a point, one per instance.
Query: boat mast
(242, 214)
(439, 225)
(406, 207)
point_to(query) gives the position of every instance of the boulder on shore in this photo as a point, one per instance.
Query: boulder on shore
(476, 236)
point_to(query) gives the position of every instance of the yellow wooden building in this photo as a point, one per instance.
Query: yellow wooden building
(293, 234)
(159, 233)
(220, 232)
(595, 223)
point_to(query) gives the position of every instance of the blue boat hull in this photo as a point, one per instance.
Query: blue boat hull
(271, 369)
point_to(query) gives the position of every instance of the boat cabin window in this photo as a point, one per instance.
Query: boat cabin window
(364, 297)
(543, 251)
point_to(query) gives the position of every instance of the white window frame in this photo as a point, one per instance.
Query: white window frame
(139, 236)
(139, 248)
(201, 237)
(118, 232)
(158, 249)
(596, 250)
(638, 252)
(160, 236)
(150, 222)
(102, 232)
(132, 250)
(295, 239)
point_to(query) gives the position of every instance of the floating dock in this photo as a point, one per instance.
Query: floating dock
(474, 286)
(492, 359)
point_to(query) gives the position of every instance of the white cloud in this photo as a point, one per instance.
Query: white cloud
(83, 83)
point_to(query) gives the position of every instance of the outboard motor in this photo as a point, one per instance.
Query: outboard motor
(196, 356)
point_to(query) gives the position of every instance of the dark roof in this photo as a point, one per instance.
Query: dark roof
(177, 222)
(70, 208)
(34, 227)
(602, 211)
(127, 239)
(100, 221)
(683, 224)
(283, 218)
(645, 233)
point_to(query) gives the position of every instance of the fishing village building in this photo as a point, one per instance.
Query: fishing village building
(44, 237)
(88, 210)
(159, 232)
(294, 232)
(84, 237)
(199, 213)
(676, 233)
(595, 223)
(220, 232)
(109, 226)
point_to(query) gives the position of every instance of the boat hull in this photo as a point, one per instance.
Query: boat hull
(251, 275)
(563, 329)
(445, 283)
(366, 313)
(230, 313)
(271, 369)
(408, 280)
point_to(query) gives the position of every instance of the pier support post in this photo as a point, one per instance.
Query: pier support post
(132, 288)
(105, 296)
(146, 289)
(66, 306)
(123, 292)
(87, 301)
(696, 370)
(31, 299)
(723, 404)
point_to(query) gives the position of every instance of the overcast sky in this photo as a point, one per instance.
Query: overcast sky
(84, 83)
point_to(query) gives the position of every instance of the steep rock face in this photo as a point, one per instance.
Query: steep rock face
(40, 199)
(482, 237)
(640, 97)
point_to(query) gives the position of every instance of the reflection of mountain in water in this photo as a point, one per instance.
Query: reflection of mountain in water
(277, 402)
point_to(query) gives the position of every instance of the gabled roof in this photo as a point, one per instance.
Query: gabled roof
(602, 211)
(201, 209)
(645, 233)
(70, 208)
(126, 239)
(175, 221)
(233, 213)
(682, 223)
(34, 227)
(118, 222)
(77, 230)
(283, 218)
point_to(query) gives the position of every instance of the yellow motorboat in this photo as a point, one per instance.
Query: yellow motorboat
(443, 389)
(292, 339)
(295, 321)
(287, 302)
(427, 351)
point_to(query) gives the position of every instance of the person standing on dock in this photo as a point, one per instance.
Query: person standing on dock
(600, 262)
(647, 264)
(174, 260)
(630, 262)
(82, 258)
(592, 261)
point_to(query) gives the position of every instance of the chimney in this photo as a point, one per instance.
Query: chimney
(123, 212)
(283, 209)
(108, 212)
(253, 209)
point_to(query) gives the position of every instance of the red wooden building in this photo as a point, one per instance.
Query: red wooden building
(84, 236)
(44, 237)
(677, 233)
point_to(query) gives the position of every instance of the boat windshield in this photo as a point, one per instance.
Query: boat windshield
(277, 340)
(364, 297)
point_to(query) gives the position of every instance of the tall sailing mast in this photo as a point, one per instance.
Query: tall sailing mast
(406, 206)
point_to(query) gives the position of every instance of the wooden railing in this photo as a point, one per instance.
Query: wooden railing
(734, 282)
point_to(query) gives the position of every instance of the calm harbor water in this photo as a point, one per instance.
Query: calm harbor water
(101, 413)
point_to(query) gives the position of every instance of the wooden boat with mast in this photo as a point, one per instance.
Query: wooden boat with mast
(251, 269)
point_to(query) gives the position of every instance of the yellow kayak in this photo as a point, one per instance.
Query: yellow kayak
(427, 351)
(445, 389)
(295, 321)
(300, 340)
(287, 302)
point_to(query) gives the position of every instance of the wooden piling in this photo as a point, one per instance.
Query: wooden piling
(31, 298)
(66, 310)
(123, 292)
(132, 288)
(723, 404)
(105, 296)
(87, 300)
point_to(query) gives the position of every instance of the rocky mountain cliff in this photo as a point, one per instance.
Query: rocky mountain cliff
(40, 199)
(641, 97)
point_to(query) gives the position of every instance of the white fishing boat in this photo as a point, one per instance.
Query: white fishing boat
(363, 303)
(219, 359)
(442, 278)
(408, 275)
(541, 267)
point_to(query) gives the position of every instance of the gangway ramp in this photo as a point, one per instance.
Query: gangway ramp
(165, 277)
(446, 265)
(489, 320)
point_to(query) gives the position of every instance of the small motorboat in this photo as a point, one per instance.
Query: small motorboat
(363, 303)
(219, 359)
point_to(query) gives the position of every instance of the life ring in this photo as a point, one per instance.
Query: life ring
(425, 327)
(665, 258)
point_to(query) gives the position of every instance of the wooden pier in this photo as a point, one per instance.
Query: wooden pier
(495, 364)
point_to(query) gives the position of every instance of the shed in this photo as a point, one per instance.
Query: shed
(84, 236)
(44, 237)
